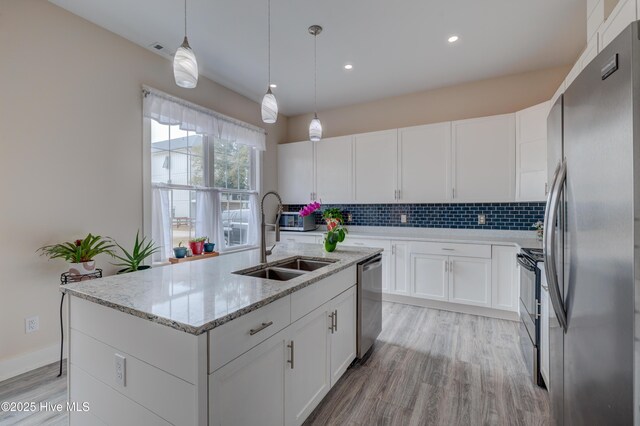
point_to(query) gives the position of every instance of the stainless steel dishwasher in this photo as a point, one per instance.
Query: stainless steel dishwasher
(369, 303)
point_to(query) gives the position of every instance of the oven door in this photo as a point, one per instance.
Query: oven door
(528, 301)
(528, 347)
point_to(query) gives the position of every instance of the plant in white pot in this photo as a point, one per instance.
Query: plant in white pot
(79, 253)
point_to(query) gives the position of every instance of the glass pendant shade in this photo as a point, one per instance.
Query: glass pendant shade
(315, 129)
(269, 108)
(185, 66)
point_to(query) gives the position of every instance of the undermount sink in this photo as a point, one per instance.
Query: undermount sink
(273, 273)
(302, 264)
(286, 269)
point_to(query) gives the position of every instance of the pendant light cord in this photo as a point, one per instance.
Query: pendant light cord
(315, 74)
(185, 18)
(269, 38)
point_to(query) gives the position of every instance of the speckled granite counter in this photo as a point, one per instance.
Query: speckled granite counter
(522, 239)
(195, 297)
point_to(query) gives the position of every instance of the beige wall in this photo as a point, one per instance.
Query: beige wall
(71, 150)
(477, 99)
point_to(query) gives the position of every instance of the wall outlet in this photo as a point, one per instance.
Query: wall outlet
(121, 369)
(31, 324)
(403, 218)
(482, 219)
(349, 218)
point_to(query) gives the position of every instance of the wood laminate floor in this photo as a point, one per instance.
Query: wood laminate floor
(432, 367)
(428, 367)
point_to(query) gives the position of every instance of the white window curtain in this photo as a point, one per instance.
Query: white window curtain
(169, 110)
(254, 220)
(161, 223)
(208, 212)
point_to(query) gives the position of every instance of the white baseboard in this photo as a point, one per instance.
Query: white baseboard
(15, 366)
(453, 307)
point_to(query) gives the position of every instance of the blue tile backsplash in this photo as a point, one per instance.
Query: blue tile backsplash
(503, 216)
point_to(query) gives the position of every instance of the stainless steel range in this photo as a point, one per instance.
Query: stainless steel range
(530, 310)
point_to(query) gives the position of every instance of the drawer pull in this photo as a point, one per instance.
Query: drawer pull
(259, 329)
(448, 249)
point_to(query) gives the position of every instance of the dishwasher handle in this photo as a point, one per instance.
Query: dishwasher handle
(374, 262)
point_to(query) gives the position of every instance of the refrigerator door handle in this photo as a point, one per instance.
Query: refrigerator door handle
(549, 241)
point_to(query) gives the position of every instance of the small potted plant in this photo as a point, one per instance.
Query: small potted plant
(197, 245)
(79, 253)
(132, 261)
(180, 252)
(336, 232)
(539, 225)
(209, 246)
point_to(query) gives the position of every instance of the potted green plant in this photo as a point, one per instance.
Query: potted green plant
(197, 245)
(209, 246)
(180, 252)
(79, 253)
(132, 261)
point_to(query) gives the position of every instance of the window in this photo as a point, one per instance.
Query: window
(184, 163)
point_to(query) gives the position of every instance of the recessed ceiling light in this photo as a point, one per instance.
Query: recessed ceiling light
(273, 85)
(348, 67)
(453, 39)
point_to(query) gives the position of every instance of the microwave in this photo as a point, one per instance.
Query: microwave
(292, 221)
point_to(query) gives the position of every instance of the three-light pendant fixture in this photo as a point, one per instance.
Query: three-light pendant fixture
(185, 72)
(185, 66)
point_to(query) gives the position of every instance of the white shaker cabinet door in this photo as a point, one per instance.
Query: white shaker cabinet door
(505, 278)
(470, 281)
(531, 153)
(375, 166)
(429, 276)
(343, 335)
(295, 172)
(399, 268)
(334, 170)
(250, 389)
(424, 163)
(307, 375)
(484, 159)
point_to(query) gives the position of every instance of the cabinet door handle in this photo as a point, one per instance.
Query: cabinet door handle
(290, 361)
(451, 265)
(399, 194)
(260, 328)
(448, 249)
(446, 266)
(333, 320)
(393, 249)
(335, 317)
(453, 193)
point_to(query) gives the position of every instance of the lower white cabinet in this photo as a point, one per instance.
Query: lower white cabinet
(398, 283)
(282, 380)
(307, 375)
(470, 281)
(429, 276)
(505, 278)
(342, 333)
(250, 390)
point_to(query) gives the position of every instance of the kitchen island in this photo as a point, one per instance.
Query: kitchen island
(197, 343)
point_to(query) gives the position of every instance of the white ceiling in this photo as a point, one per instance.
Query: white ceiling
(395, 47)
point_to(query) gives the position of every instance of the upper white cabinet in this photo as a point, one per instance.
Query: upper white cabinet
(295, 172)
(484, 159)
(531, 153)
(424, 163)
(375, 166)
(334, 170)
(621, 16)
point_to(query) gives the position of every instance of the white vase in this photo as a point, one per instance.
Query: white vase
(82, 268)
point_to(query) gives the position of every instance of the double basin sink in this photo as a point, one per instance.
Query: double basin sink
(286, 269)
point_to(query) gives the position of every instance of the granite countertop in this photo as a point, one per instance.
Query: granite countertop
(521, 239)
(198, 296)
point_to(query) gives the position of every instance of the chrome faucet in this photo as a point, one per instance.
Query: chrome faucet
(263, 238)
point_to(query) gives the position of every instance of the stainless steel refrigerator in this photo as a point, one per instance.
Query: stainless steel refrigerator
(591, 240)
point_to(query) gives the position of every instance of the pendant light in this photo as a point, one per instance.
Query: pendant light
(269, 103)
(315, 127)
(185, 66)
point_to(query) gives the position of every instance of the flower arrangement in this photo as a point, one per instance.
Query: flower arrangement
(539, 225)
(310, 208)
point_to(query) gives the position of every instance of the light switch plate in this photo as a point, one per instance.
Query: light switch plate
(121, 369)
(482, 219)
(403, 218)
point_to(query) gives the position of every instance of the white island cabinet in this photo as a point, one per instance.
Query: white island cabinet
(147, 349)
